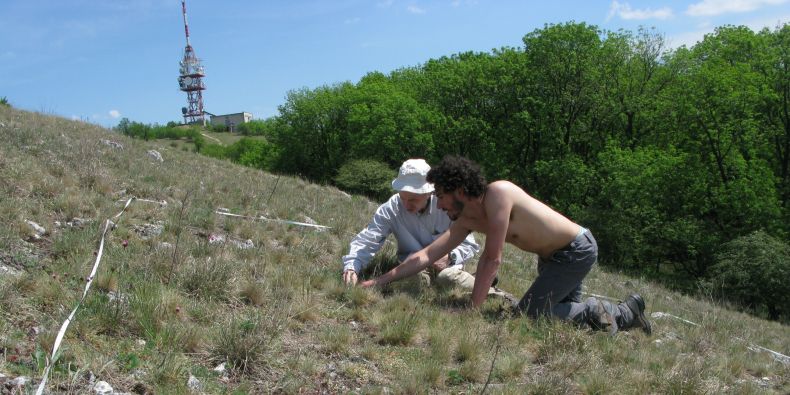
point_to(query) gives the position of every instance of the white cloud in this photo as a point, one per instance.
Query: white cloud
(624, 11)
(115, 113)
(716, 7)
(689, 39)
(415, 10)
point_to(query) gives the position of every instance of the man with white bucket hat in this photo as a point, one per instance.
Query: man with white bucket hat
(412, 217)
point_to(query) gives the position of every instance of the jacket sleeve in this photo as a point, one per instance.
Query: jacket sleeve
(467, 249)
(368, 242)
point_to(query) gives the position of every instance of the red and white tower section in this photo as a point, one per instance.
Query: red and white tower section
(190, 80)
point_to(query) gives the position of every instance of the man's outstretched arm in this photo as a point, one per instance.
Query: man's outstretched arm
(419, 260)
(497, 206)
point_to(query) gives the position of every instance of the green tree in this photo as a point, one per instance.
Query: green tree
(775, 108)
(563, 88)
(387, 124)
(312, 133)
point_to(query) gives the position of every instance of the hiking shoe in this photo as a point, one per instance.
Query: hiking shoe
(636, 304)
(505, 295)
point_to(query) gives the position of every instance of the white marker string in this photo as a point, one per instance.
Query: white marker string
(65, 325)
(262, 218)
(159, 202)
(751, 346)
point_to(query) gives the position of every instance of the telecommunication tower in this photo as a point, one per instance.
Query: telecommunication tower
(191, 79)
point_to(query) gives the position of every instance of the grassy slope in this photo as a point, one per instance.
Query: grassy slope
(278, 312)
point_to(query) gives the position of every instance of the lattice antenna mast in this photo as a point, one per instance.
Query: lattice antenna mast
(190, 79)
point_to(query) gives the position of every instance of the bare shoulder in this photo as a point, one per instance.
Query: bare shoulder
(505, 189)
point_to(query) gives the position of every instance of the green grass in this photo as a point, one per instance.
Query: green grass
(278, 314)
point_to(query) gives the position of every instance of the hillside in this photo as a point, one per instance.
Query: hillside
(186, 300)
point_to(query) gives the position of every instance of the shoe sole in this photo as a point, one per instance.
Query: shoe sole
(639, 313)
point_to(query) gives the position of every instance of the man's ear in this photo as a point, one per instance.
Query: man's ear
(460, 194)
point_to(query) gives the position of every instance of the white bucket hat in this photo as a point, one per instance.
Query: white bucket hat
(411, 177)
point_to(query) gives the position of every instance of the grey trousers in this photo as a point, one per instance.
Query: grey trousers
(557, 290)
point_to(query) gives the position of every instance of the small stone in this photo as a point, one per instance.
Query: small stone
(148, 231)
(91, 378)
(220, 368)
(20, 381)
(40, 231)
(113, 295)
(141, 342)
(102, 388)
(113, 144)
(77, 222)
(216, 239)
(155, 155)
(194, 384)
(244, 245)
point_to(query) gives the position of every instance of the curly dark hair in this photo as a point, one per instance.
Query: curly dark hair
(455, 172)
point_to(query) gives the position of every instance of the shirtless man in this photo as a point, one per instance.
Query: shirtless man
(506, 213)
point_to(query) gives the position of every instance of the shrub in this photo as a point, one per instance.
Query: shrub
(753, 270)
(252, 153)
(257, 127)
(4, 102)
(212, 150)
(367, 177)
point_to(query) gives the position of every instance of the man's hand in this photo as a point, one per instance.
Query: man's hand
(368, 284)
(350, 277)
(441, 264)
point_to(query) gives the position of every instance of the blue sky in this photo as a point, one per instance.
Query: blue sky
(101, 60)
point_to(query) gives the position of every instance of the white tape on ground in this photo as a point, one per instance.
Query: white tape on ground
(262, 218)
(50, 359)
(779, 357)
(658, 314)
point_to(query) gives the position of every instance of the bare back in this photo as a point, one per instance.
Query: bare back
(532, 226)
